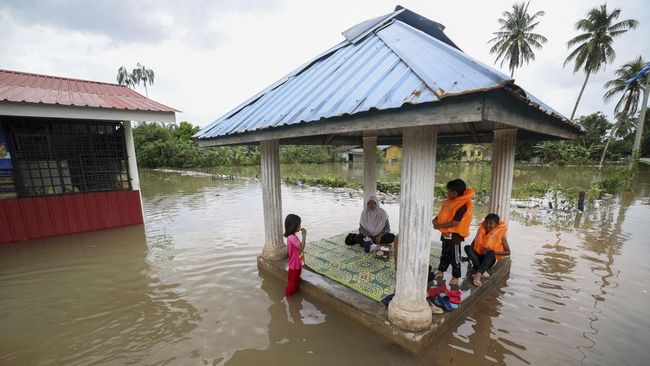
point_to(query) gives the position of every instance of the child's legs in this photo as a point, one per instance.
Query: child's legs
(488, 260)
(473, 257)
(455, 260)
(446, 255)
(293, 282)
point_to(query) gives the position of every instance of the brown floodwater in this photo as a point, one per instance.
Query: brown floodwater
(185, 290)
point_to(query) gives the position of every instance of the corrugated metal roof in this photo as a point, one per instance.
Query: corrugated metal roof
(22, 87)
(394, 65)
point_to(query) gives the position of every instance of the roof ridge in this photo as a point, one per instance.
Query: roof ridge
(60, 77)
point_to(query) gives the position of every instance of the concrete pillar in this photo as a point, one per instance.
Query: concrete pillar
(409, 309)
(130, 152)
(369, 167)
(503, 165)
(274, 247)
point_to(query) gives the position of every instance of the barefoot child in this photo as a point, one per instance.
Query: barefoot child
(489, 245)
(453, 222)
(295, 249)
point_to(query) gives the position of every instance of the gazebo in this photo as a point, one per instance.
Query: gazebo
(394, 79)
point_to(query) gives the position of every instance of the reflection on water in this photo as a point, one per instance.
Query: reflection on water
(190, 292)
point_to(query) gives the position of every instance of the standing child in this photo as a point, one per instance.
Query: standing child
(489, 245)
(295, 248)
(453, 222)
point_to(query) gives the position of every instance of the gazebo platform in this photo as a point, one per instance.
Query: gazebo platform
(374, 314)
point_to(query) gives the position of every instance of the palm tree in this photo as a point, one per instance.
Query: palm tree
(514, 42)
(144, 75)
(622, 128)
(124, 78)
(632, 92)
(594, 47)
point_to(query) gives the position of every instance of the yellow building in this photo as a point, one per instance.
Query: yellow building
(472, 152)
(392, 153)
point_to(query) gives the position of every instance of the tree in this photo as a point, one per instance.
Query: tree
(595, 126)
(594, 47)
(124, 78)
(514, 42)
(632, 92)
(622, 128)
(144, 75)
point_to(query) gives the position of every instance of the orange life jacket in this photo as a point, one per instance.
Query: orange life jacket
(491, 240)
(449, 208)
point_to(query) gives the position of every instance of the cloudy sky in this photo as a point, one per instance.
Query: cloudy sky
(209, 56)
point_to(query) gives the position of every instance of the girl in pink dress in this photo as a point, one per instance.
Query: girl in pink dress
(295, 249)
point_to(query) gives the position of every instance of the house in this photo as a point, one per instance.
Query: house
(67, 159)
(474, 152)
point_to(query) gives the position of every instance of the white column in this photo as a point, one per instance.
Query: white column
(409, 309)
(130, 152)
(369, 167)
(274, 248)
(503, 164)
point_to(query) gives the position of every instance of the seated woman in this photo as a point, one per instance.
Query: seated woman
(489, 245)
(374, 224)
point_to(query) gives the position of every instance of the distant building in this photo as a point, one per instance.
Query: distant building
(393, 153)
(474, 152)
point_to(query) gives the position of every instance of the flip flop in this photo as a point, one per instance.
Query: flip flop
(435, 309)
(433, 291)
(454, 293)
(443, 302)
(455, 300)
(454, 306)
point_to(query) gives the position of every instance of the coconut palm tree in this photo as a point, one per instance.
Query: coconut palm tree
(594, 47)
(124, 78)
(514, 42)
(622, 128)
(144, 75)
(632, 92)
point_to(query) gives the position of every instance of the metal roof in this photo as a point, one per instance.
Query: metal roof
(22, 87)
(394, 65)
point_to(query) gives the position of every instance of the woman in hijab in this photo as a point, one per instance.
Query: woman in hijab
(374, 224)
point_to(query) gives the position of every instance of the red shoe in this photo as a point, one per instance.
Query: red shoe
(433, 291)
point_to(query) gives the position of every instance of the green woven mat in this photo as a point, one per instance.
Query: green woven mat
(350, 266)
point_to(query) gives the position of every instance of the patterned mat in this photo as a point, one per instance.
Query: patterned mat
(350, 266)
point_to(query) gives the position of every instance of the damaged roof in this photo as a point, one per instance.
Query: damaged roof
(384, 63)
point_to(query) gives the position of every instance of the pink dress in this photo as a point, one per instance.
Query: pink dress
(294, 253)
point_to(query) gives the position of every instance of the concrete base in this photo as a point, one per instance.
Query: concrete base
(373, 314)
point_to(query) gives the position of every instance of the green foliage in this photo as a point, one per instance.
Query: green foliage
(159, 145)
(389, 187)
(290, 154)
(448, 152)
(327, 181)
(596, 126)
(567, 153)
(514, 42)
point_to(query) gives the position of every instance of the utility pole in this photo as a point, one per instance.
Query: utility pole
(639, 126)
(644, 106)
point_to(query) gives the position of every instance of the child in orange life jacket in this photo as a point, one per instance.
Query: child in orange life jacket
(489, 245)
(453, 222)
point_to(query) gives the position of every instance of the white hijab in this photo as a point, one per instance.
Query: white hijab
(373, 221)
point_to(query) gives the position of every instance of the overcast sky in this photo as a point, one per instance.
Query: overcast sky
(209, 56)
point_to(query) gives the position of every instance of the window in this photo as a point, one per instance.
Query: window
(60, 157)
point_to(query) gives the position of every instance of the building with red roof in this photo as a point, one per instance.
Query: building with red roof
(67, 159)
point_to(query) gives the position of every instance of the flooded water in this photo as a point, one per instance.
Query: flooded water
(185, 290)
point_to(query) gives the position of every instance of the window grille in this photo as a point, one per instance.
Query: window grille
(64, 156)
